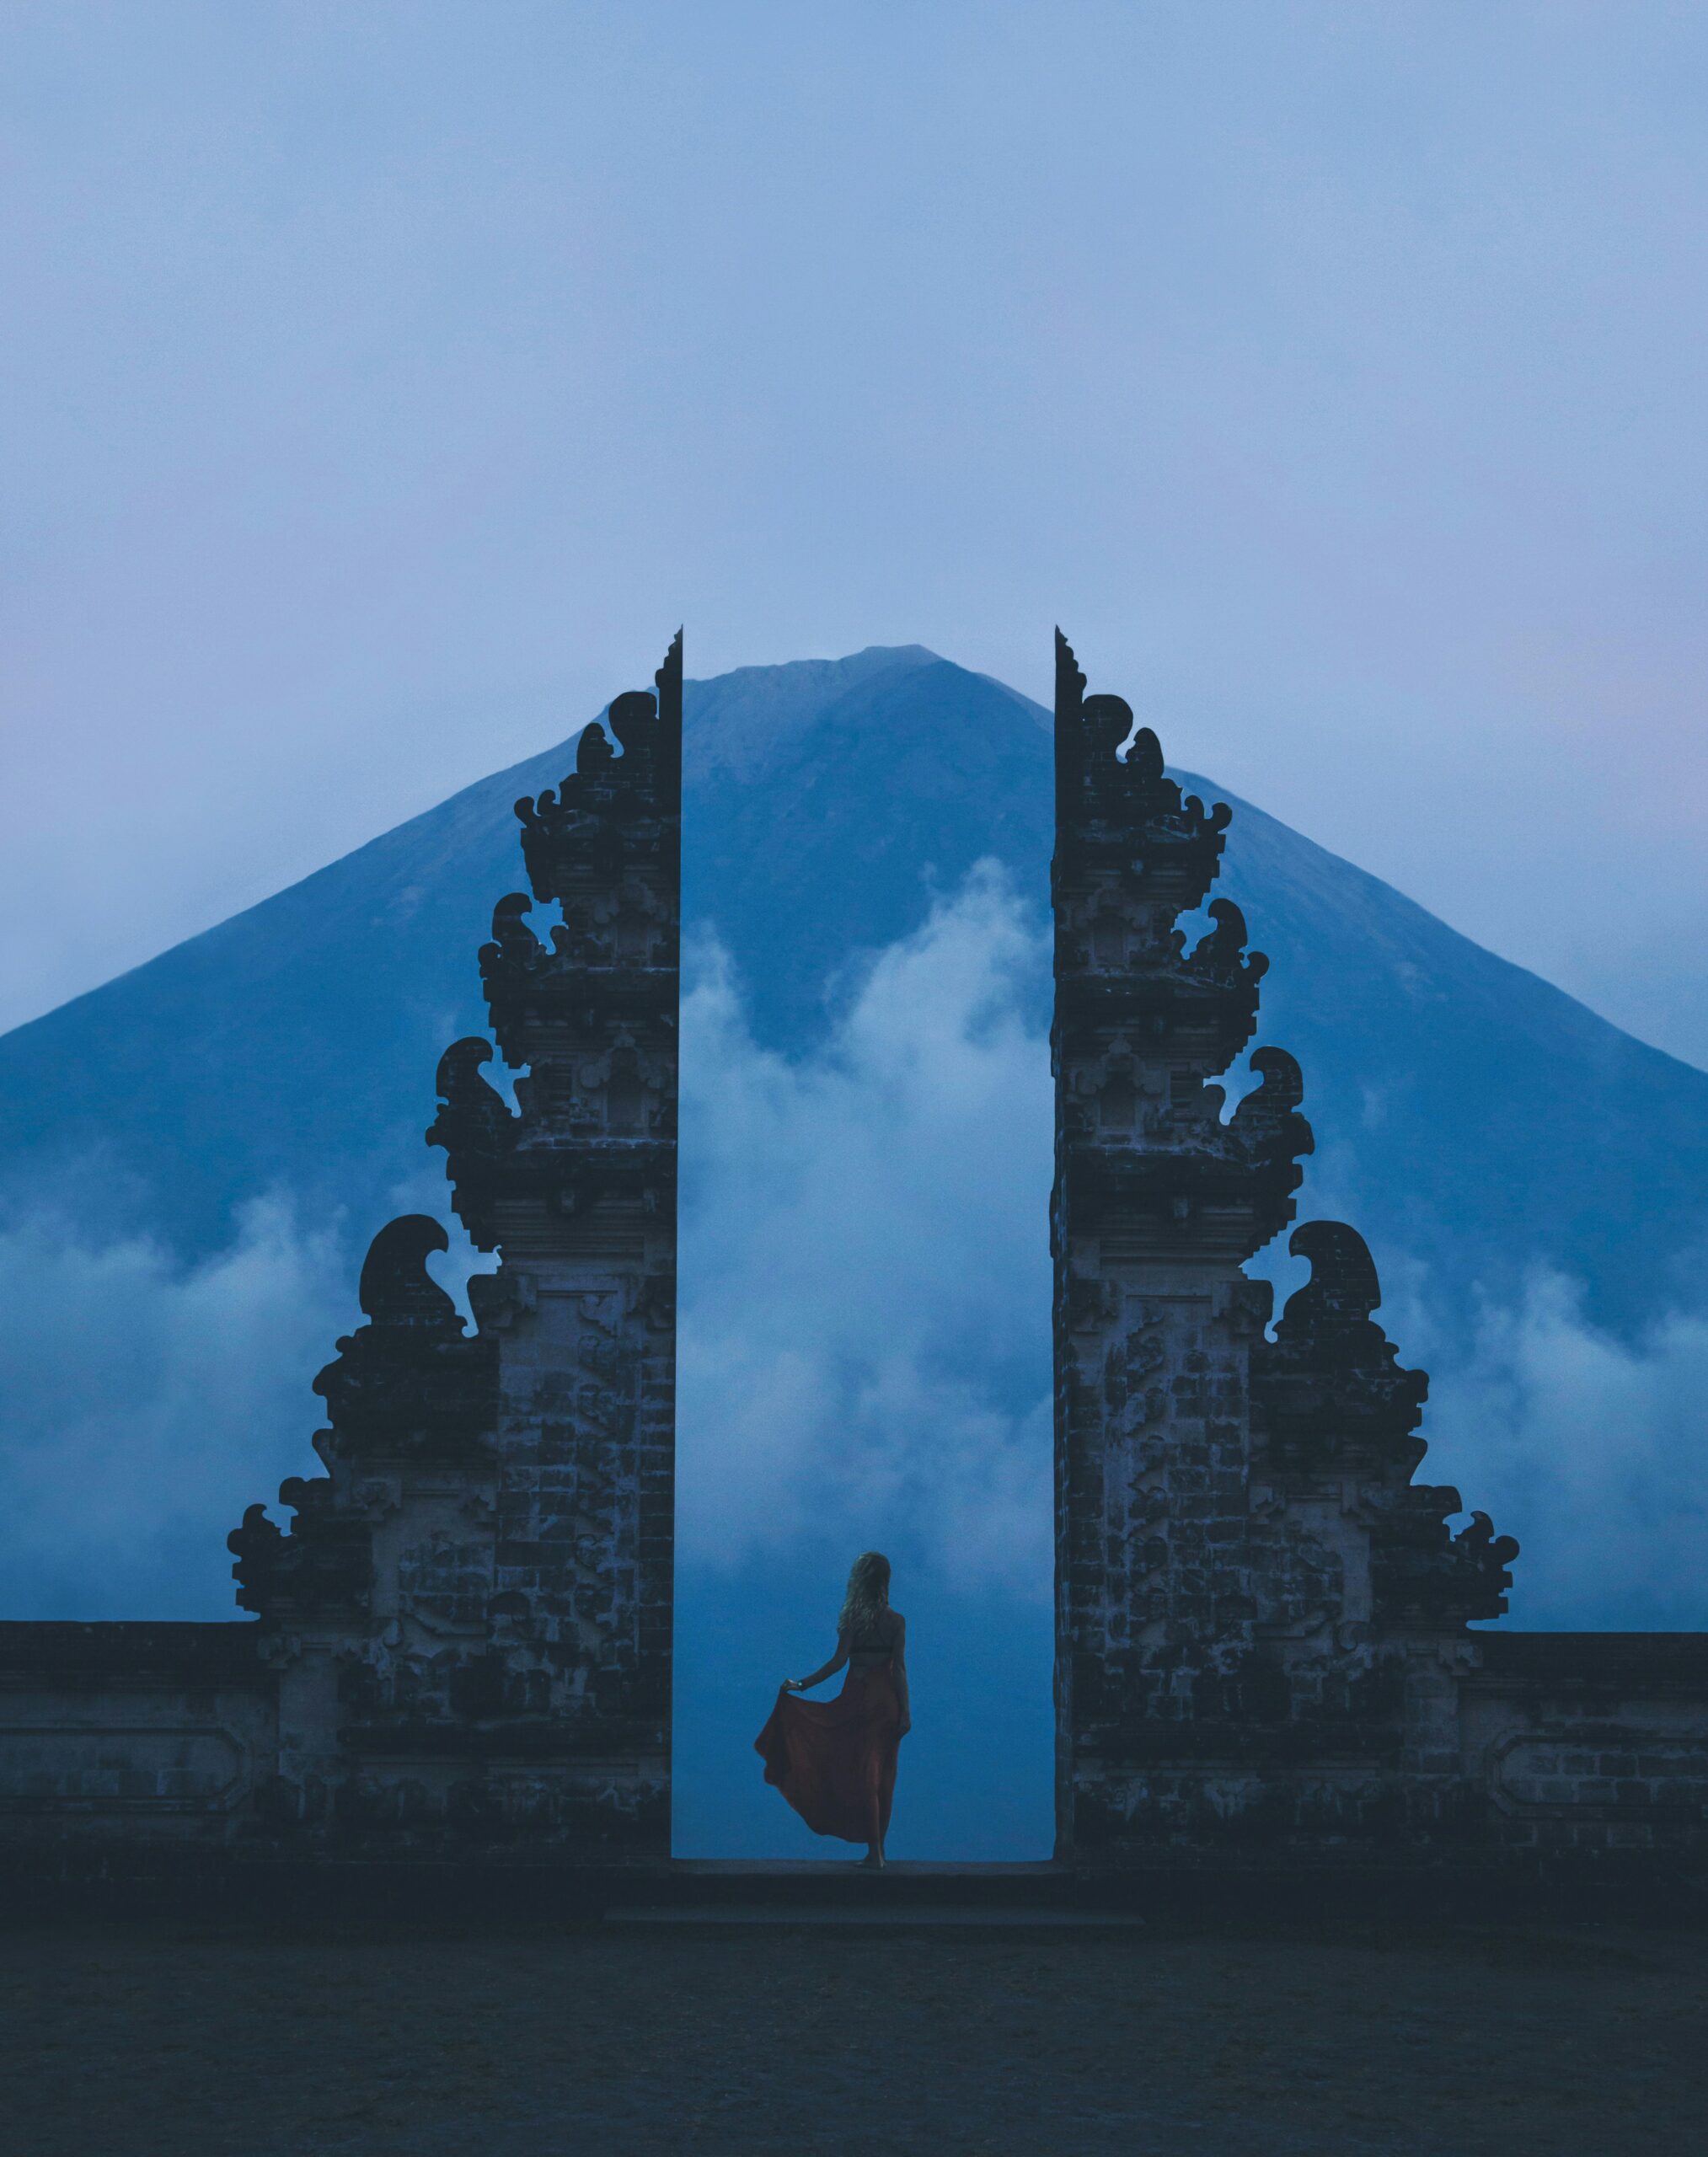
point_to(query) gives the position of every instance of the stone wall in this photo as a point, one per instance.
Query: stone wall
(1590, 1743)
(112, 1733)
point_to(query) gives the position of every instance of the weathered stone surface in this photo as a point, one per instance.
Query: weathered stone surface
(113, 1736)
(1590, 1744)
(1157, 1198)
(579, 1195)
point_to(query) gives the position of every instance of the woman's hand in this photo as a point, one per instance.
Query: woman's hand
(795, 1685)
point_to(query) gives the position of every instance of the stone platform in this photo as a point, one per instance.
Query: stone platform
(275, 1895)
(713, 1893)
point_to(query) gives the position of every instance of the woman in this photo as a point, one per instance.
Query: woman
(835, 1760)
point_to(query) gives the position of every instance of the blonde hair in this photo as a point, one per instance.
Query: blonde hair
(868, 1592)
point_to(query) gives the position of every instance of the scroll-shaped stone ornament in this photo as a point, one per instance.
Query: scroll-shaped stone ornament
(1221, 954)
(1333, 1395)
(477, 1132)
(409, 1386)
(593, 751)
(1335, 1400)
(395, 1289)
(1343, 1289)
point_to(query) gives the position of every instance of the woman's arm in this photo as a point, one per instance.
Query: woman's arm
(899, 1666)
(829, 1670)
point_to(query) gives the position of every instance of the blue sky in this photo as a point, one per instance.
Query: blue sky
(384, 381)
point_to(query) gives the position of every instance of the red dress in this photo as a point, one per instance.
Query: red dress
(835, 1760)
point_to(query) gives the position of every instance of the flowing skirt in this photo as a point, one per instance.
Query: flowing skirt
(835, 1760)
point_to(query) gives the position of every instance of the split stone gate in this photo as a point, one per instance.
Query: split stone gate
(461, 1645)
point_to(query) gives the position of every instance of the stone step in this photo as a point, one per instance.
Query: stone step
(845, 1884)
(814, 1913)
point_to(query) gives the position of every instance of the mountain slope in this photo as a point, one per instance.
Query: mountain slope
(1475, 1122)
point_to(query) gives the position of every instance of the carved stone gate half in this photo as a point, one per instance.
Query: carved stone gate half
(1262, 1622)
(471, 1616)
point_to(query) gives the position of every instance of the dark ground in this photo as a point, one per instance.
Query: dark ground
(1541, 2040)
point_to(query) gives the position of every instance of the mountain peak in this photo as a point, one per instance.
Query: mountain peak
(737, 722)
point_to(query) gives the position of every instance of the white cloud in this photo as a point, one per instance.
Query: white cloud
(1593, 1453)
(866, 1273)
(146, 1405)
